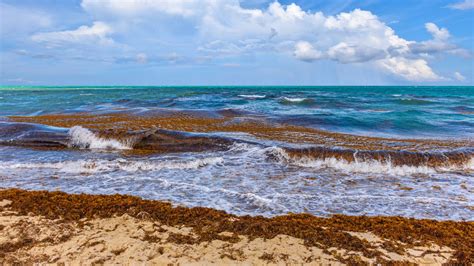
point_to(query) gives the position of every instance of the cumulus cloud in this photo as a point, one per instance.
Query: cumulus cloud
(346, 53)
(464, 5)
(439, 43)
(409, 69)
(305, 51)
(225, 28)
(341, 52)
(440, 34)
(98, 33)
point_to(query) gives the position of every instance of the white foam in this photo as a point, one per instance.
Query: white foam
(97, 166)
(253, 199)
(294, 100)
(371, 166)
(155, 166)
(85, 139)
(252, 96)
(470, 164)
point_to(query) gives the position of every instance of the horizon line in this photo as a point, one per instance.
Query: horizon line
(118, 85)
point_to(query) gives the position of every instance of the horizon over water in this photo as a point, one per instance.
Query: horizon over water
(258, 150)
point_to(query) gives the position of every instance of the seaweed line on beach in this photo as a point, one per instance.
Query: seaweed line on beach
(208, 224)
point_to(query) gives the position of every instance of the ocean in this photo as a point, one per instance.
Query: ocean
(393, 151)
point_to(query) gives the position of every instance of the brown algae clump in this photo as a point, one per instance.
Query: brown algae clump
(209, 224)
(120, 124)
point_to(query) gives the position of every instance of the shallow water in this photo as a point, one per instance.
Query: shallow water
(381, 111)
(251, 176)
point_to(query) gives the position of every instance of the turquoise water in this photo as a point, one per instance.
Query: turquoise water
(382, 111)
(255, 176)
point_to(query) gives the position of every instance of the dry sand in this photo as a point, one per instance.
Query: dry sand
(127, 240)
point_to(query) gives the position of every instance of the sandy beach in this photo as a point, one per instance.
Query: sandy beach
(55, 227)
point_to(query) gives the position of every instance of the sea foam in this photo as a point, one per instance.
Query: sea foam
(293, 100)
(100, 166)
(83, 138)
(252, 96)
(362, 166)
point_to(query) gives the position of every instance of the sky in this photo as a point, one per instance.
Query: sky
(232, 42)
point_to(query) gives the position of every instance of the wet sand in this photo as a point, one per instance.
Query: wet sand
(55, 227)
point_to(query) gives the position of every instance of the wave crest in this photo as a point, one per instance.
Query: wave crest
(376, 162)
(83, 138)
(289, 100)
(252, 96)
(97, 166)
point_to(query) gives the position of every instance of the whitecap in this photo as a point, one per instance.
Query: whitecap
(470, 164)
(252, 96)
(365, 166)
(83, 138)
(294, 100)
(100, 166)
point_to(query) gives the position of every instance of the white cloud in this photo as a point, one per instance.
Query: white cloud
(410, 69)
(458, 76)
(439, 43)
(346, 53)
(464, 5)
(305, 51)
(355, 20)
(98, 33)
(225, 28)
(350, 37)
(438, 33)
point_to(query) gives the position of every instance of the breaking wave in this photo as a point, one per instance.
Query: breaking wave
(373, 162)
(289, 100)
(83, 138)
(157, 141)
(97, 166)
(252, 96)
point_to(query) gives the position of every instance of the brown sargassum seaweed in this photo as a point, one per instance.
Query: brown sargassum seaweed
(400, 233)
(398, 158)
(158, 134)
(119, 124)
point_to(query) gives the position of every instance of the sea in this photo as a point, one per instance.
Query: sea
(389, 150)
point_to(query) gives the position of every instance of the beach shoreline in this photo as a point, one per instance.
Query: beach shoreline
(54, 227)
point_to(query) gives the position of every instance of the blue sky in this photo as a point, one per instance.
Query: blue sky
(231, 42)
